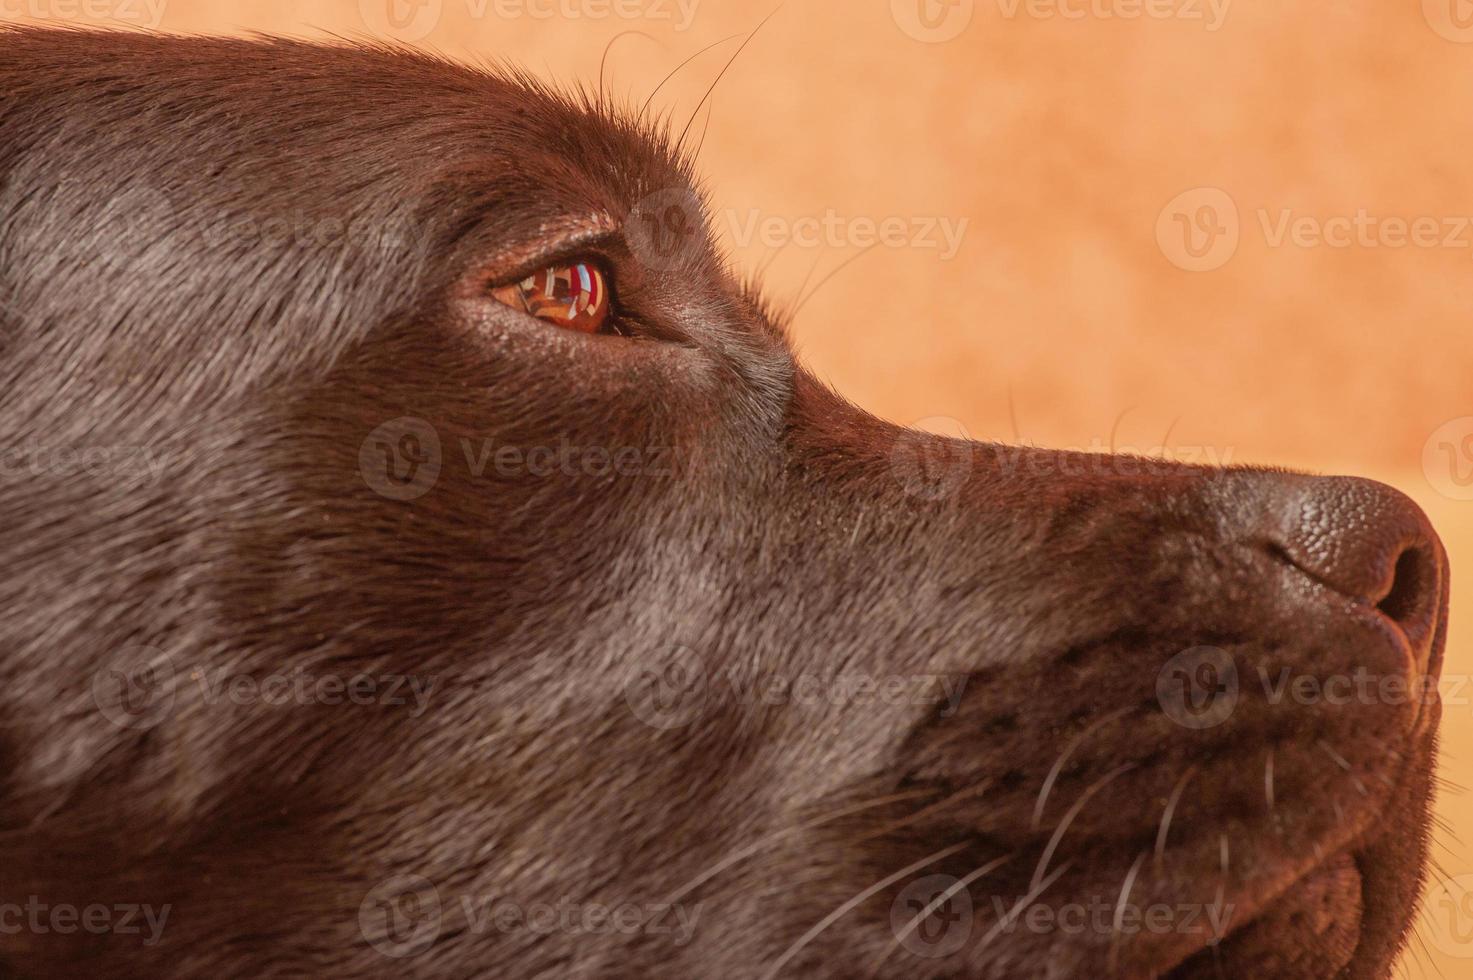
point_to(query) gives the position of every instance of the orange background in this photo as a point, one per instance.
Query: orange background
(1079, 144)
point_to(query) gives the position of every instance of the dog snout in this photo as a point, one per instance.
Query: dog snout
(1369, 542)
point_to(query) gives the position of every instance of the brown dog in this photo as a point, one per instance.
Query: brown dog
(423, 557)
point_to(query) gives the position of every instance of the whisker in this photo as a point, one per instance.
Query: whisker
(1053, 774)
(941, 900)
(1023, 902)
(676, 69)
(1222, 845)
(928, 811)
(1048, 852)
(603, 59)
(1118, 919)
(803, 300)
(1170, 812)
(756, 846)
(837, 913)
(722, 74)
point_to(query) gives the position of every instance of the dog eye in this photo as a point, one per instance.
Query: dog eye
(574, 296)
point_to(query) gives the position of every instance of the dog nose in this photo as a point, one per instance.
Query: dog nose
(1370, 543)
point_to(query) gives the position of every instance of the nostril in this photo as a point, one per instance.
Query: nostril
(1413, 589)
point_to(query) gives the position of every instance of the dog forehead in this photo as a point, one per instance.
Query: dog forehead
(306, 189)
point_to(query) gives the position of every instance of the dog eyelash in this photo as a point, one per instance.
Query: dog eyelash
(573, 295)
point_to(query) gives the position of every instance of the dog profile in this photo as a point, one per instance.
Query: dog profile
(360, 620)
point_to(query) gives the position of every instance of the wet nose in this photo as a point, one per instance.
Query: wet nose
(1369, 542)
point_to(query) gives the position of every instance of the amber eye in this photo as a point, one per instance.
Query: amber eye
(574, 296)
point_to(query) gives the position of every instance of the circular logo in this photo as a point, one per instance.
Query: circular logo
(666, 230)
(402, 20)
(1199, 229)
(1198, 688)
(1448, 912)
(933, 458)
(670, 692)
(930, 919)
(1452, 20)
(400, 916)
(401, 458)
(1447, 459)
(135, 689)
(932, 21)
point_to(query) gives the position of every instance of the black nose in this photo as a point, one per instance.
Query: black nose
(1369, 542)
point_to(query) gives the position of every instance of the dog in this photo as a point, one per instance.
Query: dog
(424, 556)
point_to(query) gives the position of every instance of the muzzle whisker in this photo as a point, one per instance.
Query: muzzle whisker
(964, 882)
(1058, 767)
(759, 845)
(839, 912)
(1117, 922)
(1048, 852)
(1169, 812)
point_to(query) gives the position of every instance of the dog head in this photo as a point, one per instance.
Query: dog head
(413, 525)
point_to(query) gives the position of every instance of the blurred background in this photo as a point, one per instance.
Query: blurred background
(1217, 231)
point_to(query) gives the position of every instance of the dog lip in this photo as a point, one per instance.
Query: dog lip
(1299, 896)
